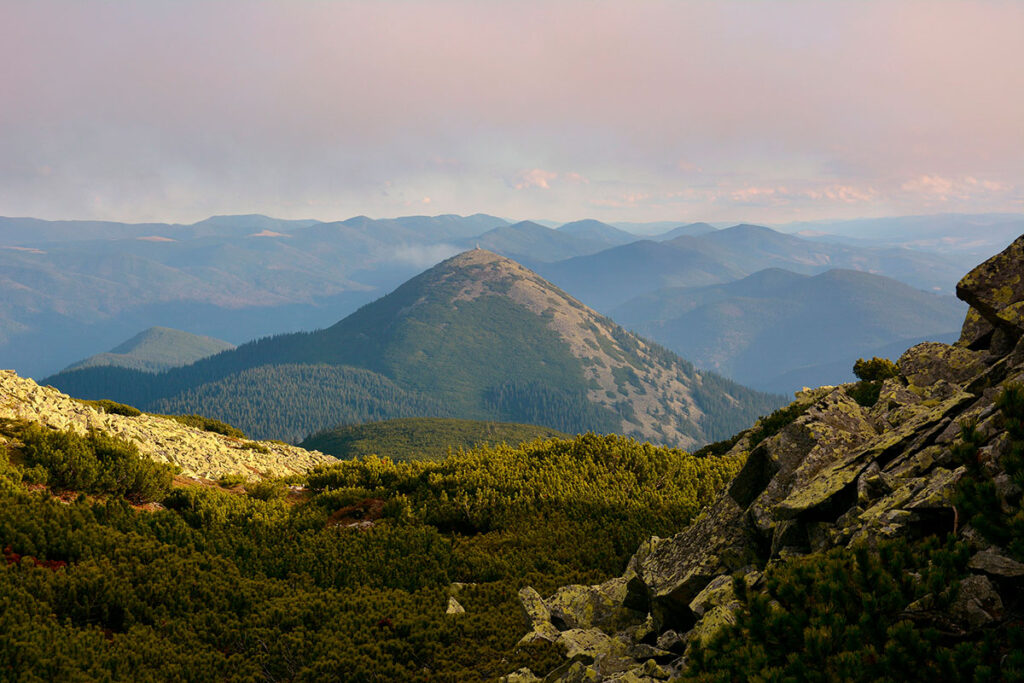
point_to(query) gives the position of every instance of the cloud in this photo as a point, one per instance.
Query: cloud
(535, 177)
(932, 187)
(145, 110)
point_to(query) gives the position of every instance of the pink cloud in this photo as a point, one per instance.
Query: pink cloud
(535, 177)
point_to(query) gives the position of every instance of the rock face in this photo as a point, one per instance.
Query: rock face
(198, 453)
(839, 475)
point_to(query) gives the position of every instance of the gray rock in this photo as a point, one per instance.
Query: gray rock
(995, 563)
(977, 603)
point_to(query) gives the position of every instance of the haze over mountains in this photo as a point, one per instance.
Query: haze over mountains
(777, 330)
(724, 255)
(965, 239)
(478, 336)
(76, 288)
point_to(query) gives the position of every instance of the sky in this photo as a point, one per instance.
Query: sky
(631, 110)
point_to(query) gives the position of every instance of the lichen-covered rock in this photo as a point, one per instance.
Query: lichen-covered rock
(812, 454)
(995, 289)
(594, 606)
(523, 675)
(976, 332)
(454, 607)
(538, 615)
(719, 542)
(923, 365)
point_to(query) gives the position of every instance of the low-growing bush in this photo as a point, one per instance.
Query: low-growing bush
(95, 463)
(865, 393)
(113, 407)
(208, 424)
(231, 480)
(875, 370)
(267, 489)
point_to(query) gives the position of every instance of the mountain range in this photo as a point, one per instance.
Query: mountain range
(723, 255)
(777, 330)
(477, 336)
(75, 288)
(864, 532)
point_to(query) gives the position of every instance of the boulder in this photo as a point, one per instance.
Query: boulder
(976, 332)
(994, 563)
(995, 289)
(977, 603)
(593, 606)
(925, 364)
(720, 542)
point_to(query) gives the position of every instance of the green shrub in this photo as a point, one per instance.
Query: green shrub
(865, 393)
(113, 407)
(207, 424)
(231, 480)
(95, 463)
(267, 489)
(871, 374)
(875, 370)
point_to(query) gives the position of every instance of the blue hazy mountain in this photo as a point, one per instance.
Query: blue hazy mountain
(611, 277)
(156, 349)
(778, 331)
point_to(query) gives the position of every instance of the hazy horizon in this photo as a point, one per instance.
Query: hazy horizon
(639, 111)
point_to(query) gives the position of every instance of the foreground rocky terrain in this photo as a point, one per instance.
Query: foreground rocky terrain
(198, 453)
(839, 475)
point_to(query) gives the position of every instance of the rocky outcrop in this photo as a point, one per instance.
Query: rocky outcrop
(198, 453)
(839, 475)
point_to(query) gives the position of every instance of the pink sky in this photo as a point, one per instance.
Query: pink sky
(632, 110)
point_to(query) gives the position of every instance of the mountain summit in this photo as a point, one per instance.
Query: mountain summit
(156, 349)
(478, 336)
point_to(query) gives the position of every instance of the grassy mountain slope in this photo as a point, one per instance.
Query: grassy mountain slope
(155, 349)
(773, 322)
(420, 438)
(489, 340)
(72, 287)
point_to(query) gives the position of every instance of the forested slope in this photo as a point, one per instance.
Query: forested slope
(420, 438)
(478, 335)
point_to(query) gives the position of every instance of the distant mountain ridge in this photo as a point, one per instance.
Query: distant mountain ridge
(156, 349)
(778, 330)
(72, 287)
(723, 255)
(485, 338)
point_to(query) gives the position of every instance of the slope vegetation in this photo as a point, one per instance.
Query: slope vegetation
(420, 438)
(876, 532)
(480, 335)
(383, 571)
(156, 349)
